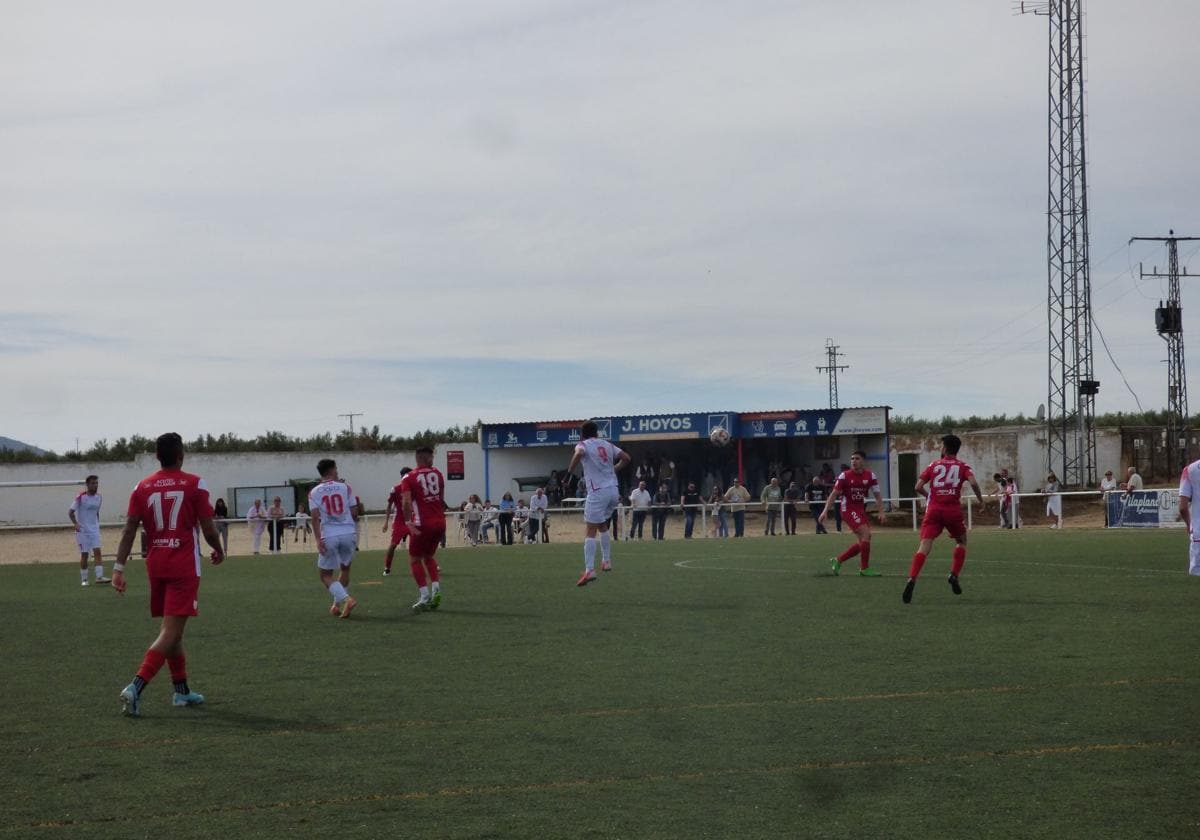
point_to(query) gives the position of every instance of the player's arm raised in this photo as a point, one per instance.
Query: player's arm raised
(132, 523)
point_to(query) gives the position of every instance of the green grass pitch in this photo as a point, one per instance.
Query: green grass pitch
(704, 689)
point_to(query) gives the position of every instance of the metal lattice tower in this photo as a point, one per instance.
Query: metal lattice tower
(1071, 403)
(831, 365)
(1168, 320)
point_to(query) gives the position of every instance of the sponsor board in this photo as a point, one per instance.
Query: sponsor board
(1144, 509)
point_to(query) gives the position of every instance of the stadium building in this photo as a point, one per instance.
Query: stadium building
(792, 444)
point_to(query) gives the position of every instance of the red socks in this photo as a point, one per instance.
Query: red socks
(151, 664)
(418, 571)
(431, 566)
(849, 552)
(917, 562)
(178, 666)
(864, 554)
(960, 557)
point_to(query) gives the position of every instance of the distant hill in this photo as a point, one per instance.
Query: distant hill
(17, 446)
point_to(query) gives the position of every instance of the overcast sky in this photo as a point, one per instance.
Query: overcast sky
(249, 216)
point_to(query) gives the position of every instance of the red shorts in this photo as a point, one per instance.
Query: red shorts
(426, 543)
(855, 518)
(174, 595)
(399, 531)
(938, 518)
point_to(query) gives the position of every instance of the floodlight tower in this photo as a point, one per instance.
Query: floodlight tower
(1071, 403)
(1168, 320)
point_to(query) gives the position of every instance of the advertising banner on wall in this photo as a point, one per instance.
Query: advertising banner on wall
(1144, 509)
(692, 426)
(456, 460)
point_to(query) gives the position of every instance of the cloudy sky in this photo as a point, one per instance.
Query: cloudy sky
(250, 216)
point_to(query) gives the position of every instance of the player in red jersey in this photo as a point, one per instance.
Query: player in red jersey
(851, 489)
(399, 529)
(170, 505)
(945, 478)
(425, 515)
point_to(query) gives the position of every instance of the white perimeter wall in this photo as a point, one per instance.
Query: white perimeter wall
(1022, 451)
(371, 474)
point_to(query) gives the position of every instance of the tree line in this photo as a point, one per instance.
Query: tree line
(364, 440)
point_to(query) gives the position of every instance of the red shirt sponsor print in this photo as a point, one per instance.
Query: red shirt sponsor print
(855, 487)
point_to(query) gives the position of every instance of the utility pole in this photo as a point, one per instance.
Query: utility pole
(1072, 387)
(352, 415)
(1168, 320)
(831, 365)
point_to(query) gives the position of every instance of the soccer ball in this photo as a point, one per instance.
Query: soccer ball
(719, 436)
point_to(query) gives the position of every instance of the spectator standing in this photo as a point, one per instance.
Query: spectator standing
(220, 514)
(1053, 494)
(640, 501)
(473, 511)
(689, 503)
(1133, 481)
(302, 526)
(716, 510)
(1005, 494)
(507, 508)
(737, 496)
(1014, 493)
(275, 517)
(662, 506)
(815, 494)
(666, 475)
(647, 473)
(791, 498)
(772, 496)
(538, 527)
(1107, 485)
(257, 519)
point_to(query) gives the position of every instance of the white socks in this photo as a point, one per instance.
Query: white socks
(435, 587)
(589, 553)
(338, 592)
(605, 547)
(83, 575)
(99, 571)
(424, 593)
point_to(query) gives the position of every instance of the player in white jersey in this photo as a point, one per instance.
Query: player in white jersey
(1189, 485)
(334, 516)
(85, 516)
(601, 460)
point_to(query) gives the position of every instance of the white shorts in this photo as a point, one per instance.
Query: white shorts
(1194, 559)
(339, 551)
(599, 505)
(87, 540)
